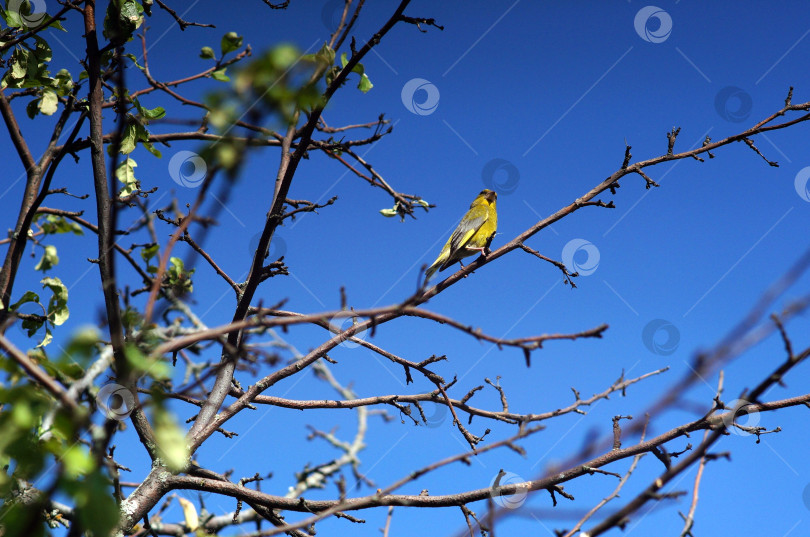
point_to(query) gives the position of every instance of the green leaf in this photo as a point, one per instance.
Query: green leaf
(123, 17)
(23, 416)
(143, 364)
(207, 53)
(131, 11)
(49, 259)
(31, 325)
(228, 155)
(57, 24)
(36, 71)
(284, 55)
(12, 18)
(135, 61)
(134, 132)
(47, 339)
(358, 67)
(57, 306)
(365, 84)
(325, 56)
(27, 14)
(42, 50)
(152, 149)
(54, 224)
(128, 139)
(77, 460)
(331, 74)
(96, 509)
(220, 75)
(64, 82)
(20, 63)
(126, 175)
(84, 343)
(178, 278)
(32, 108)
(140, 132)
(148, 252)
(131, 319)
(388, 213)
(171, 441)
(155, 113)
(29, 296)
(230, 42)
(49, 102)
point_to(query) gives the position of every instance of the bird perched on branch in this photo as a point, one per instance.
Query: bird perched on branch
(473, 234)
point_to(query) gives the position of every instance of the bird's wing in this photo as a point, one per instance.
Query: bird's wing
(468, 227)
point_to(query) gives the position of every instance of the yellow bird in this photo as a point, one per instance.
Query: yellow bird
(473, 234)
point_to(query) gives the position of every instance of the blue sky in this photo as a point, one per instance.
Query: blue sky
(547, 94)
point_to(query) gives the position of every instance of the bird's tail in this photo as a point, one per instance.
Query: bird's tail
(432, 270)
(439, 264)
